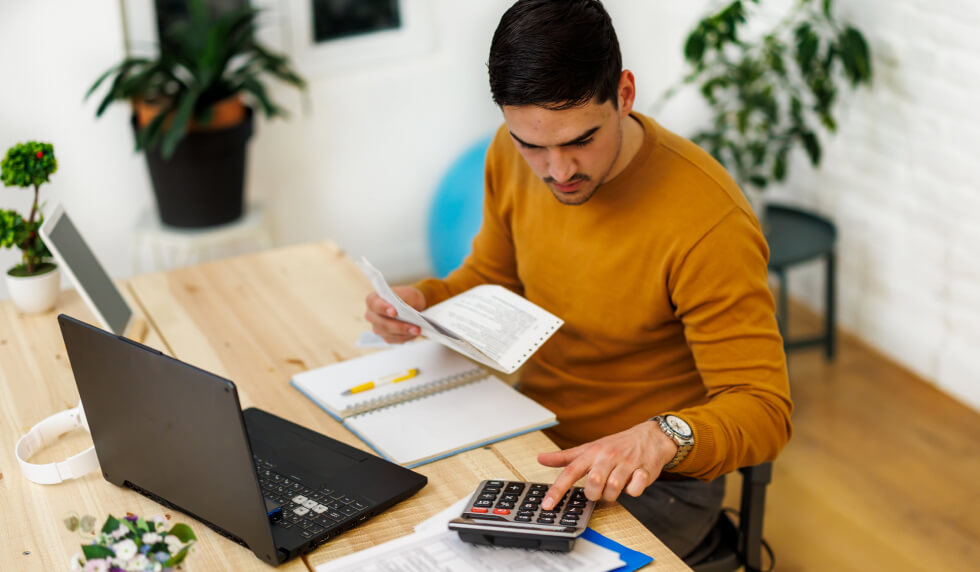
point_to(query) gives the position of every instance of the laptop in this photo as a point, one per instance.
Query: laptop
(177, 434)
(76, 259)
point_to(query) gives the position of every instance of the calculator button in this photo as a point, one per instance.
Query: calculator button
(525, 513)
(505, 504)
(301, 510)
(511, 498)
(491, 489)
(514, 487)
(544, 520)
(548, 514)
(319, 509)
(490, 496)
(539, 487)
(495, 483)
(577, 503)
(573, 510)
(479, 509)
(530, 506)
(299, 499)
(522, 518)
(349, 511)
(482, 503)
(501, 511)
(535, 493)
(568, 522)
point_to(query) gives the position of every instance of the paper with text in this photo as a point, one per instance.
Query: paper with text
(487, 323)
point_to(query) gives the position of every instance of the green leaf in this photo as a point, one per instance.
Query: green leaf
(178, 127)
(177, 558)
(779, 165)
(694, 46)
(812, 146)
(807, 44)
(96, 551)
(827, 8)
(183, 532)
(111, 524)
(855, 56)
(758, 181)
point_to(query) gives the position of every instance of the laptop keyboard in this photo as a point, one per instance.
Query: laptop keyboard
(311, 511)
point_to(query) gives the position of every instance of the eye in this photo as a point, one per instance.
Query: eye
(581, 143)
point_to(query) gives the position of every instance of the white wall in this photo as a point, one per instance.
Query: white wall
(360, 167)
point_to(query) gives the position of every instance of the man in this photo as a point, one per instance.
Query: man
(669, 370)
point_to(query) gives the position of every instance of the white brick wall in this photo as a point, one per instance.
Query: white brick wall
(902, 182)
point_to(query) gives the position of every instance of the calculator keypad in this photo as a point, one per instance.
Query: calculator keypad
(521, 502)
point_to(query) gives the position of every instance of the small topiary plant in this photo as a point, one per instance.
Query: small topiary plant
(27, 165)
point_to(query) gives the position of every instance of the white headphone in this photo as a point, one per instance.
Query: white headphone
(46, 432)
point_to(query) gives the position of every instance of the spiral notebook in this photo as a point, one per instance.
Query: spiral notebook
(451, 405)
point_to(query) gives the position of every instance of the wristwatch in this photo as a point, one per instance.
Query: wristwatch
(678, 430)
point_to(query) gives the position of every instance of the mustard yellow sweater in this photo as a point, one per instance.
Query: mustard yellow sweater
(661, 281)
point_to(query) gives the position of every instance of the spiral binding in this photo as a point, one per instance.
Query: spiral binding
(372, 405)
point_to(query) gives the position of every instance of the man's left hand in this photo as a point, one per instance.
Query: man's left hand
(626, 461)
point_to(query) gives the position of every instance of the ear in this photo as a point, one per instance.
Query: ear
(626, 93)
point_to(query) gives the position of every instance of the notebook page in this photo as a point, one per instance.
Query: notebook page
(414, 432)
(439, 368)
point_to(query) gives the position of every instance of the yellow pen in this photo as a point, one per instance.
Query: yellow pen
(381, 381)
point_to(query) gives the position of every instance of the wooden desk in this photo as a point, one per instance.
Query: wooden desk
(256, 320)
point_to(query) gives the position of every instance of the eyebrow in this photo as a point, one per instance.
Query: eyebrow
(578, 139)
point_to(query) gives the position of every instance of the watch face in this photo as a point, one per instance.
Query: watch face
(679, 426)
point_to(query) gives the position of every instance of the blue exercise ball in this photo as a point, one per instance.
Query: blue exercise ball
(457, 209)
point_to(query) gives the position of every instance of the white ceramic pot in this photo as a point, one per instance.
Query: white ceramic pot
(34, 294)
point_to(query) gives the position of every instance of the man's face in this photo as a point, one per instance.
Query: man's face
(573, 151)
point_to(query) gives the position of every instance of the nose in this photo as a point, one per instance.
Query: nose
(561, 166)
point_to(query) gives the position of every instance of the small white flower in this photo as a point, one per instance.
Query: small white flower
(139, 563)
(151, 538)
(173, 544)
(160, 521)
(97, 565)
(124, 550)
(77, 562)
(120, 532)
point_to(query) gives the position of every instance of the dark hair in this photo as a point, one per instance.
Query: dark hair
(555, 53)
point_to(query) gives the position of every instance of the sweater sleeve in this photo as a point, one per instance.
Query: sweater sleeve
(720, 292)
(492, 259)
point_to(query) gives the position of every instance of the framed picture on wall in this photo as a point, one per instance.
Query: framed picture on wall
(330, 36)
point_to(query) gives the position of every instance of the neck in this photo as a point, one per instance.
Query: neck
(632, 141)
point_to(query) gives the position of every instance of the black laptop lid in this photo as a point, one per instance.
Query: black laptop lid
(171, 429)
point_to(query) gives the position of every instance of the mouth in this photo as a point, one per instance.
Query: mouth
(567, 188)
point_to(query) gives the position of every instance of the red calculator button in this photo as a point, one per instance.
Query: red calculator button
(501, 511)
(478, 509)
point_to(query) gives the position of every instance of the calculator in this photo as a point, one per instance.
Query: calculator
(508, 513)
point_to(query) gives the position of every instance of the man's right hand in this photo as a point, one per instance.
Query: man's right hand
(381, 315)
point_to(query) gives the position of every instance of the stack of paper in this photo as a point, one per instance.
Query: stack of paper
(435, 548)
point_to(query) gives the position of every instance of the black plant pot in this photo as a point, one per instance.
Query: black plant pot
(203, 183)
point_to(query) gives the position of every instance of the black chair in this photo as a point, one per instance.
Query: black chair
(727, 547)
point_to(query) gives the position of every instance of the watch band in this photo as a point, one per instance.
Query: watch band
(684, 444)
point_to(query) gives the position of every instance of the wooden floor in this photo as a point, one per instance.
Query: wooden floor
(882, 473)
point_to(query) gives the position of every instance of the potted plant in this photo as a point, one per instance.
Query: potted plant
(774, 93)
(189, 115)
(35, 282)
